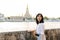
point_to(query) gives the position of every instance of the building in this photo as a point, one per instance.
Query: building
(14, 19)
(26, 17)
(1, 17)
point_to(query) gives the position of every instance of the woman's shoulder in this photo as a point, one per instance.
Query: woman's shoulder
(41, 24)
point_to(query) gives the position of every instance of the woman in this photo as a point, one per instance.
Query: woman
(40, 27)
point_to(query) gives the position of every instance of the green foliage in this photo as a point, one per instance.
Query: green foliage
(46, 18)
(58, 18)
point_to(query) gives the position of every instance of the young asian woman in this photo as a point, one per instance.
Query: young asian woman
(40, 27)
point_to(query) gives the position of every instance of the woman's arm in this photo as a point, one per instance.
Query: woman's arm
(34, 32)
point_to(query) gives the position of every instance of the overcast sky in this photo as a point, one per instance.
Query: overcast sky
(49, 8)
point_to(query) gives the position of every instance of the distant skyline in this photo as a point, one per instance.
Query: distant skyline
(49, 8)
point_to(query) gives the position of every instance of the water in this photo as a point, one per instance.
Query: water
(25, 26)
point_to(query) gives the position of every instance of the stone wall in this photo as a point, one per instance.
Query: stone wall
(53, 34)
(22, 35)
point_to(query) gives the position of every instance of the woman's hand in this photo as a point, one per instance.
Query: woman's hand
(34, 32)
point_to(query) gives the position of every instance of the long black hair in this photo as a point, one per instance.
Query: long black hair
(42, 20)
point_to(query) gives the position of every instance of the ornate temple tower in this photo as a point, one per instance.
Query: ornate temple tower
(27, 15)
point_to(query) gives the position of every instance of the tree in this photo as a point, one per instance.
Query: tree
(58, 18)
(46, 18)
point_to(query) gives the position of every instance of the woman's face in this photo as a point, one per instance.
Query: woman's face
(39, 18)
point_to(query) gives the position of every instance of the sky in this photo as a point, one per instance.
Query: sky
(49, 8)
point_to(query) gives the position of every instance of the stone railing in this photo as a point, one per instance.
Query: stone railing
(20, 35)
(53, 34)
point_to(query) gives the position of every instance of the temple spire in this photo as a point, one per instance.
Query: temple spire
(27, 15)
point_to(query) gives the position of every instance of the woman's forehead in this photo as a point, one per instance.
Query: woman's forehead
(39, 15)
